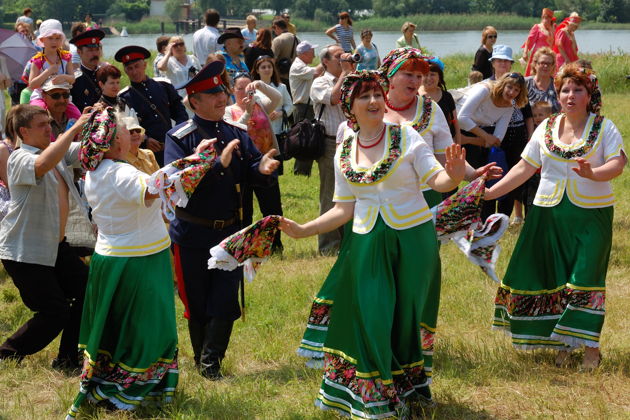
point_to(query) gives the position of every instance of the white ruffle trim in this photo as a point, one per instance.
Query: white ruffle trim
(220, 259)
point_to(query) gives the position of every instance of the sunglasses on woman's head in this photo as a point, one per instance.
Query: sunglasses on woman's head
(240, 74)
(262, 57)
(519, 77)
(58, 95)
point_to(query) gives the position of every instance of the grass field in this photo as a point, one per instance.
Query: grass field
(477, 373)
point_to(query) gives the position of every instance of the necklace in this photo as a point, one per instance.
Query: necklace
(402, 108)
(572, 153)
(380, 136)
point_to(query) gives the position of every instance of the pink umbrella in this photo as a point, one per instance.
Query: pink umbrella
(16, 51)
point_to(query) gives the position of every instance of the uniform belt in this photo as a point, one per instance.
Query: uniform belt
(215, 224)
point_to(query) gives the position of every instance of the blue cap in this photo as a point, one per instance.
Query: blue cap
(207, 80)
(501, 52)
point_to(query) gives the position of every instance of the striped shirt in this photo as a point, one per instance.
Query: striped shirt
(345, 37)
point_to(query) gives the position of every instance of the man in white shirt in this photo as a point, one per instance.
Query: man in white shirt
(205, 39)
(301, 78)
(326, 92)
(26, 17)
(250, 32)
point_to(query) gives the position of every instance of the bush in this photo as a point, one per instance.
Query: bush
(131, 10)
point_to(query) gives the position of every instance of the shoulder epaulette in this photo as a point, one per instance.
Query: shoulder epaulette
(162, 79)
(188, 127)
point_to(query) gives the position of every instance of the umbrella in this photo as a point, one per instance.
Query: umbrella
(16, 51)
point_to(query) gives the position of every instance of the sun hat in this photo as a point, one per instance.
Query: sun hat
(501, 52)
(304, 46)
(48, 28)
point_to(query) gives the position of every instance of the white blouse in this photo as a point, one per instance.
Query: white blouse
(431, 124)
(179, 74)
(556, 173)
(390, 187)
(479, 110)
(127, 225)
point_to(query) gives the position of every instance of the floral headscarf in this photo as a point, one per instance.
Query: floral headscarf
(591, 82)
(347, 88)
(596, 94)
(96, 138)
(396, 58)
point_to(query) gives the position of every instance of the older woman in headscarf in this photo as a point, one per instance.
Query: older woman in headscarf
(541, 35)
(375, 365)
(403, 70)
(128, 331)
(554, 290)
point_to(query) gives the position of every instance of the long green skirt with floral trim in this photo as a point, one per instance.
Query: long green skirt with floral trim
(376, 353)
(553, 293)
(312, 343)
(128, 332)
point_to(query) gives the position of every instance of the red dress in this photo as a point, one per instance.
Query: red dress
(566, 43)
(535, 40)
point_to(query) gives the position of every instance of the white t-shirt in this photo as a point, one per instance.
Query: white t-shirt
(478, 110)
(179, 73)
(127, 225)
(205, 42)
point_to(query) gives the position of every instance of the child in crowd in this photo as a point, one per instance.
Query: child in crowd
(161, 42)
(474, 77)
(540, 112)
(53, 62)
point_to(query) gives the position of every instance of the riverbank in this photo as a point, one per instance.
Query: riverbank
(439, 22)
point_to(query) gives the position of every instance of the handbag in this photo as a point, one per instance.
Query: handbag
(306, 139)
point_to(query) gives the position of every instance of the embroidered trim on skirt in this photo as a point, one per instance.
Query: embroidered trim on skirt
(378, 350)
(128, 332)
(554, 290)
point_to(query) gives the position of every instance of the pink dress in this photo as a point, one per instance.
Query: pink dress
(565, 42)
(42, 64)
(535, 40)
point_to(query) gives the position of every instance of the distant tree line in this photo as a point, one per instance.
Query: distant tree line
(322, 10)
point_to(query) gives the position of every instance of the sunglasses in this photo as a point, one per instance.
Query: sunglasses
(178, 44)
(240, 74)
(59, 95)
(262, 57)
(136, 131)
(492, 36)
(519, 77)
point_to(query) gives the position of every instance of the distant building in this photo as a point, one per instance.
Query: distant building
(158, 8)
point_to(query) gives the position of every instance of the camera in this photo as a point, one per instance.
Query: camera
(355, 58)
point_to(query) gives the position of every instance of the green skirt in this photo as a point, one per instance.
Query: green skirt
(553, 292)
(312, 344)
(128, 332)
(379, 347)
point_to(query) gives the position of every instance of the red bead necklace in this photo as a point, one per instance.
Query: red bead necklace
(402, 108)
(382, 135)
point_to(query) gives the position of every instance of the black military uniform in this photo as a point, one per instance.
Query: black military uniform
(213, 213)
(155, 101)
(85, 91)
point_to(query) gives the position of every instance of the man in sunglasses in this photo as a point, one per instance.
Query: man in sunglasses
(85, 90)
(57, 97)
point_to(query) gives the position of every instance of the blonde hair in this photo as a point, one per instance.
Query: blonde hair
(543, 106)
(497, 88)
(251, 18)
(475, 77)
(177, 38)
(543, 51)
(487, 31)
(406, 26)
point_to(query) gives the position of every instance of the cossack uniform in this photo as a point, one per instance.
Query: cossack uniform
(213, 213)
(155, 101)
(85, 90)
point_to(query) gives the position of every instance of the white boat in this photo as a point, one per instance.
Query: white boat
(124, 31)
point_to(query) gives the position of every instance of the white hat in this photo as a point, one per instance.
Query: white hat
(131, 123)
(50, 27)
(304, 46)
(50, 85)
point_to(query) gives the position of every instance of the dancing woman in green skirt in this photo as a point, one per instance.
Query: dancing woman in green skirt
(553, 292)
(128, 330)
(388, 282)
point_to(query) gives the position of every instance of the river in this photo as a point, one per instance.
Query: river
(440, 43)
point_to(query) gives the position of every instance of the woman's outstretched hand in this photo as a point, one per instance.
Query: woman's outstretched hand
(493, 171)
(455, 165)
(292, 228)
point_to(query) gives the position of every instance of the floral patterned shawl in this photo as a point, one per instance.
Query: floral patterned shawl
(248, 247)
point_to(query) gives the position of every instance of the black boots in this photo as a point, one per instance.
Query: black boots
(209, 343)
